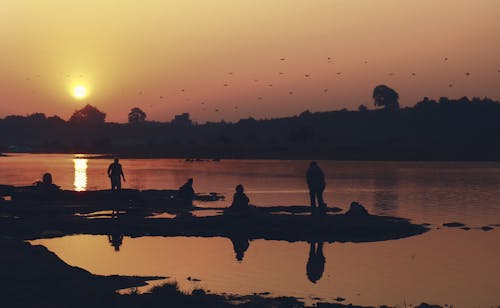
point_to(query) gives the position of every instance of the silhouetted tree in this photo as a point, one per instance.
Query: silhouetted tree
(88, 115)
(386, 97)
(136, 116)
(182, 120)
(39, 117)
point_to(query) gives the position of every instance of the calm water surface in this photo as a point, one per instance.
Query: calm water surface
(442, 266)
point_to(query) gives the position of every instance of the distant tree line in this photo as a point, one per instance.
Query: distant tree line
(443, 129)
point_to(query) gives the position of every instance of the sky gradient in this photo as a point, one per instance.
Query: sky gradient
(223, 59)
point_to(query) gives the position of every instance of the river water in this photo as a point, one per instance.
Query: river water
(443, 266)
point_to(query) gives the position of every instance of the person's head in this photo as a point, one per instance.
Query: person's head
(313, 164)
(239, 188)
(47, 178)
(190, 181)
(117, 160)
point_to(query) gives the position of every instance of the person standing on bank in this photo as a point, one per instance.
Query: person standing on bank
(115, 173)
(316, 183)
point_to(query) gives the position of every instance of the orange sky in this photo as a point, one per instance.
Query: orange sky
(144, 53)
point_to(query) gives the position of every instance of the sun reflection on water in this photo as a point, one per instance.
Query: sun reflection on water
(80, 174)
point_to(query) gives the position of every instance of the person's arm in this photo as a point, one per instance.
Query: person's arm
(123, 174)
(109, 171)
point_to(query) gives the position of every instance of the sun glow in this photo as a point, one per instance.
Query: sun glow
(80, 182)
(79, 92)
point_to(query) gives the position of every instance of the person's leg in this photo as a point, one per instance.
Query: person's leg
(321, 203)
(312, 195)
(118, 184)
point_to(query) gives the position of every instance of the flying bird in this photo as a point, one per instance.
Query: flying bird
(291, 93)
(225, 85)
(306, 75)
(467, 74)
(325, 90)
(282, 59)
(413, 74)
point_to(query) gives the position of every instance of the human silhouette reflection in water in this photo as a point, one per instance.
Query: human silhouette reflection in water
(316, 262)
(115, 239)
(240, 245)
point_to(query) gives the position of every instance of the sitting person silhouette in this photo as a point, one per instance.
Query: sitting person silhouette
(46, 184)
(240, 200)
(186, 192)
(316, 262)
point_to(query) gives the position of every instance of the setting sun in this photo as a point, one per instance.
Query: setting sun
(79, 92)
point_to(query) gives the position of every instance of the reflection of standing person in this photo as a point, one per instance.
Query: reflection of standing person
(116, 240)
(316, 262)
(115, 173)
(316, 184)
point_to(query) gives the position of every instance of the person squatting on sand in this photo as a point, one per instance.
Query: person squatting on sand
(240, 199)
(316, 183)
(186, 192)
(46, 184)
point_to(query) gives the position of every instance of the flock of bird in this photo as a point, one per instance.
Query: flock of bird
(281, 73)
(270, 85)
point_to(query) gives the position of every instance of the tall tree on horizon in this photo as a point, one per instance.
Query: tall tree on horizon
(136, 116)
(88, 115)
(385, 97)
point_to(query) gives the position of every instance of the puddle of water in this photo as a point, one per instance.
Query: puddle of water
(100, 214)
(207, 213)
(433, 267)
(162, 215)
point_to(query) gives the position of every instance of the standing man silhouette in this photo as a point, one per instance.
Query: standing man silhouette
(316, 184)
(115, 174)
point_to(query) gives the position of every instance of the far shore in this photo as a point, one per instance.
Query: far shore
(191, 157)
